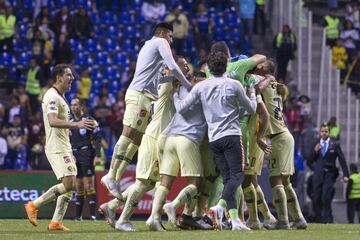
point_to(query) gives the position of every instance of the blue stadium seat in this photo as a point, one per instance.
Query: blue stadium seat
(75, 45)
(112, 32)
(94, 17)
(110, 73)
(22, 30)
(60, 3)
(29, 4)
(129, 46)
(102, 58)
(218, 34)
(136, 4)
(83, 58)
(91, 45)
(232, 19)
(95, 87)
(219, 21)
(126, 18)
(94, 71)
(114, 86)
(131, 32)
(18, 45)
(236, 35)
(24, 59)
(110, 45)
(108, 18)
(121, 59)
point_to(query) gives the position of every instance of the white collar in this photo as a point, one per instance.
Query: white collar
(323, 141)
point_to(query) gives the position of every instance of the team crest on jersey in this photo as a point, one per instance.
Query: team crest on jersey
(142, 113)
(82, 131)
(52, 103)
(67, 159)
(70, 169)
(139, 122)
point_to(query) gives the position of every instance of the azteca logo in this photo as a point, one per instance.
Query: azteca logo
(15, 195)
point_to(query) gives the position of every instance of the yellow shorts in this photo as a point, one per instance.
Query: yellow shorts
(207, 159)
(137, 110)
(148, 159)
(63, 164)
(256, 157)
(281, 160)
(181, 154)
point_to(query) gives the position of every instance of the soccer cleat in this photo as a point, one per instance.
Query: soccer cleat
(207, 219)
(203, 224)
(112, 186)
(171, 213)
(155, 225)
(108, 214)
(236, 224)
(280, 225)
(125, 227)
(57, 226)
(93, 218)
(78, 219)
(31, 212)
(269, 223)
(299, 224)
(217, 214)
(254, 225)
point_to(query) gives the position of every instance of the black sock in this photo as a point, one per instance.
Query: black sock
(91, 198)
(79, 204)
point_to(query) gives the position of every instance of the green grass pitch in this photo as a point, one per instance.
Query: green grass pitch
(22, 229)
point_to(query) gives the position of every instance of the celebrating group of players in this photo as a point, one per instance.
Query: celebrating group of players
(213, 130)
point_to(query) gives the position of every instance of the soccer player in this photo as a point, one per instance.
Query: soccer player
(147, 170)
(281, 163)
(180, 152)
(141, 92)
(87, 157)
(253, 194)
(58, 148)
(221, 99)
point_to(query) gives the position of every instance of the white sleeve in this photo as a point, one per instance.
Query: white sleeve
(165, 52)
(248, 103)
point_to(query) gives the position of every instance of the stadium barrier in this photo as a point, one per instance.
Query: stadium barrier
(19, 187)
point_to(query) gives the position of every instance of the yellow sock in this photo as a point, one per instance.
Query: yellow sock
(159, 201)
(130, 152)
(293, 203)
(279, 199)
(261, 203)
(250, 199)
(61, 206)
(50, 195)
(118, 155)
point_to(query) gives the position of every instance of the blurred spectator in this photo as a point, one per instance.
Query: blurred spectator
(110, 99)
(201, 57)
(353, 194)
(7, 29)
(43, 90)
(16, 109)
(332, 26)
(43, 14)
(36, 134)
(181, 27)
(332, 4)
(247, 14)
(24, 98)
(292, 113)
(63, 22)
(353, 76)
(102, 113)
(152, 11)
(16, 136)
(339, 55)
(62, 50)
(350, 36)
(285, 47)
(305, 105)
(83, 26)
(260, 18)
(3, 5)
(3, 150)
(2, 114)
(46, 31)
(202, 27)
(33, 84)
(334, 128)
(84, 85)
(351, 13)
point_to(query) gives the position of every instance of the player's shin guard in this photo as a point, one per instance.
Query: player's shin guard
(261, 203)
(293, 203)
(130, 152)
(215, 192)
(79, 204)
(118, 155)
(136, 192)
(279, 200)
(185, 196)
(61, 206)
(250, 199)
(159, 201)
(91, 199)
(50, 195)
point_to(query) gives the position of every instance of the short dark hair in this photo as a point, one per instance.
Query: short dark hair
(81, 102)
(217, 62)
(270, 66)
(353, 168)
(200, 74)
(220, 47)
(163, 26)
(177, 57)
(324, 124)
(59, 70)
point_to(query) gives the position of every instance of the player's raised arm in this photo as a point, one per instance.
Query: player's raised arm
(165, 52)
(264, 122)
(258, 58)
